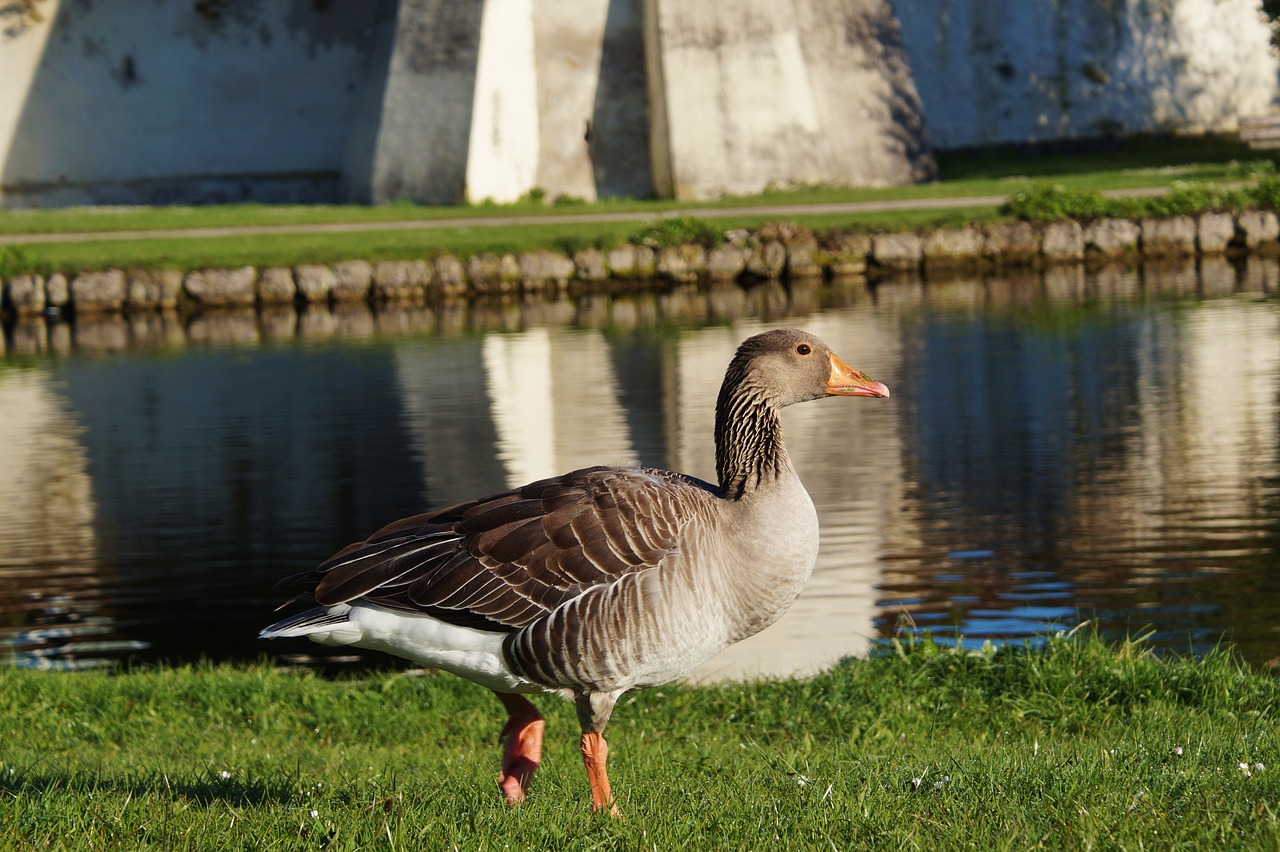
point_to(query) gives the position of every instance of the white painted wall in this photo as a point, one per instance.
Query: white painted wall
(502, 156)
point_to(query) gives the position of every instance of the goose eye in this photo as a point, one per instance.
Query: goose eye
(803, 349)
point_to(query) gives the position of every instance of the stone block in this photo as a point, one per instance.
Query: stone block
(803, 258)
(541, 270)
(315, 282)
(682, 263)
(1258, 227)
(1215, 232)
(590, 265)
(401, 280)
(1111, 237)
(1062, 241)
(767, 260)
(631, 262)
(486, 275)
(726, 262)
(352, 280)
(222, 287)
(25, 294)
(57, 291)
(1012, 243)
(276, 286)
(898, 250)
(95, 292)
(1172, 236)
(847, 254)
(153, 289)
(449, 276)
(951, 247)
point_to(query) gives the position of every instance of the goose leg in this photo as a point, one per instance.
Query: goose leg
(522, 751)
(593, 714)
(595, 751)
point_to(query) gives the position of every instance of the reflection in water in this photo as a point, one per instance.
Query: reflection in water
(50, 595)
(1058, 447)
(536, 383)
(1115, 458)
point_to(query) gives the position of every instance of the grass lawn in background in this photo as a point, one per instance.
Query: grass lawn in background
(1142, 162)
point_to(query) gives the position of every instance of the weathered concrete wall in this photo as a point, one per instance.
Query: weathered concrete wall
(415, 144)
(161, 102)
(592, 99)
(998, 71)
(489, 99)
(760, 92)
(449, 100)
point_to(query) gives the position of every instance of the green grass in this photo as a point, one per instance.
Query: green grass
(291, 249)
(1076, 744)
(1126, 164)
(1131, 163)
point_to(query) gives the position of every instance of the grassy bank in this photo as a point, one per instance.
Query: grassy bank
(1130, 164)
(1075, 745)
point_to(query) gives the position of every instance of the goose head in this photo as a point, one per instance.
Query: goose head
(786, 366)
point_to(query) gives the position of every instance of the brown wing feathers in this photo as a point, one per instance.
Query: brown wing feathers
(501, 562)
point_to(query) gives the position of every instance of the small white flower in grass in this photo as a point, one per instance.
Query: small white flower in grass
(224, 775)
(802, 780)
(1244, 767)
(1177, 750)
(937, 785)
(314, 814)
(1258, 767)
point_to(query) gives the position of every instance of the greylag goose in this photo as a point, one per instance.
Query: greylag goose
(599, 581)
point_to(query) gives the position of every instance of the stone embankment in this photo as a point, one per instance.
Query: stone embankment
(775, 251)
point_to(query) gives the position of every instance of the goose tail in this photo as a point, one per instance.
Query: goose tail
(319, 624)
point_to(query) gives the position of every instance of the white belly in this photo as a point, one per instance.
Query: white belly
(473, 654)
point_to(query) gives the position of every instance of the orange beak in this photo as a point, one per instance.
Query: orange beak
(846, 381)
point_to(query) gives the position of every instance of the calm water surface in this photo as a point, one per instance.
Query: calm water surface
(1059, 447)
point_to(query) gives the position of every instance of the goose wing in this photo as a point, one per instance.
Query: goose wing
(500, 562)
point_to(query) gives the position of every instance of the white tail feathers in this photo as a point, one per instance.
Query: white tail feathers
(313, 621)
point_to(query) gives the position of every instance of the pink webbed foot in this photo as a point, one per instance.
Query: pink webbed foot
(595, 755)
(522, 751)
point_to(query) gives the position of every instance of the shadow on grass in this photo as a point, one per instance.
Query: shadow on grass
(1035, 159)
(229, 791)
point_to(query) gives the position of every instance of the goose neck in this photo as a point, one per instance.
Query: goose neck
(749, 450)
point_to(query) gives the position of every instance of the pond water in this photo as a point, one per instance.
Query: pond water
(1059, 447)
